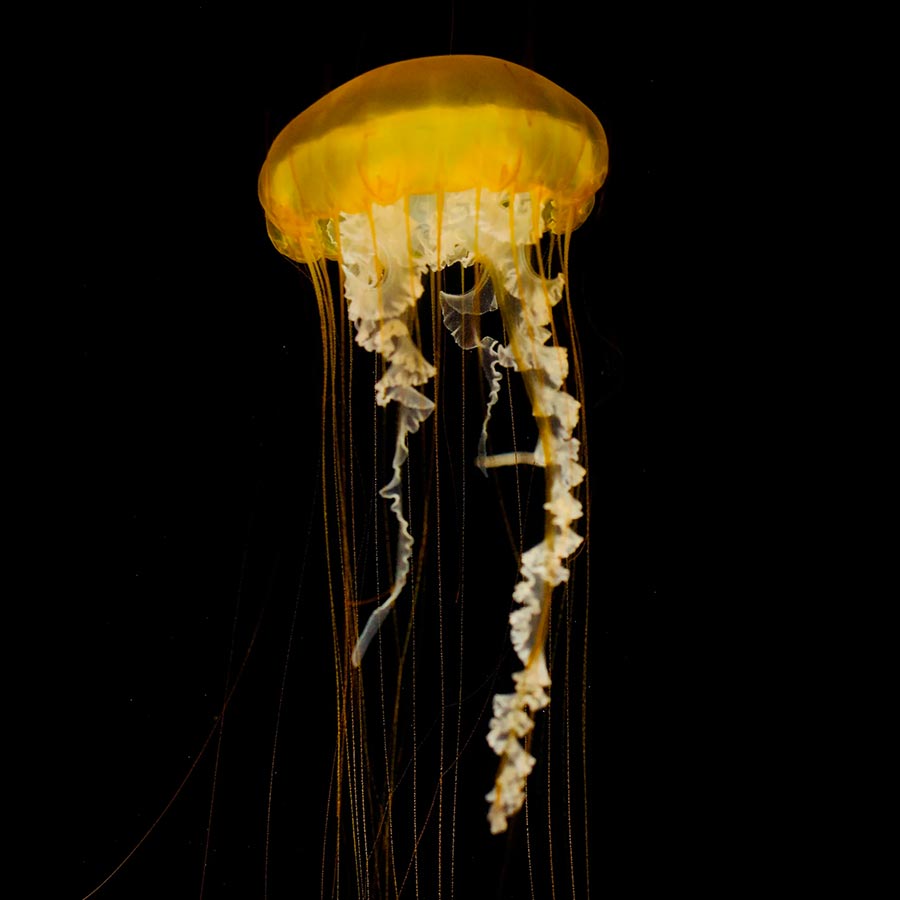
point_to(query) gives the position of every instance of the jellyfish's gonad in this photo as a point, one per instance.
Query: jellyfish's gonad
(405, 171)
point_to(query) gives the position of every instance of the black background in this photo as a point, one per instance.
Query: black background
(188, 410)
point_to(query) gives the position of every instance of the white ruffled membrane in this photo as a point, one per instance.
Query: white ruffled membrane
(384, 255)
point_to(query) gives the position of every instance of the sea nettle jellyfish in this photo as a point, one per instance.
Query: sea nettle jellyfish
(461, 172)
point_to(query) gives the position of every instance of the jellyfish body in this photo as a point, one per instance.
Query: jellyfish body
(406, 171)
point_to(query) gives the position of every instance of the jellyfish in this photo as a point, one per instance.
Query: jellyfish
(402, 176)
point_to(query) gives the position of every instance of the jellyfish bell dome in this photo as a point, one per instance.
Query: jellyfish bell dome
(430, 127)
